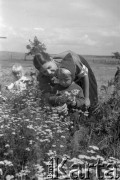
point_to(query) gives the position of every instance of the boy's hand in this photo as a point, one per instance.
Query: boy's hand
(72, 101)
(62, 109)
(87, 102)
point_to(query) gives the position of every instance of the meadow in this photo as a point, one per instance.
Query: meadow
(31, 134)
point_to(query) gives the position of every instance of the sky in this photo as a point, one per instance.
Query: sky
(87, 27)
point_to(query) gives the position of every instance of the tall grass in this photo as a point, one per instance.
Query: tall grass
(31, 134)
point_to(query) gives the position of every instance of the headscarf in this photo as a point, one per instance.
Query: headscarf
(68, 63)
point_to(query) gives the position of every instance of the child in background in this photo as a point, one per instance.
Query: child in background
(21, 81)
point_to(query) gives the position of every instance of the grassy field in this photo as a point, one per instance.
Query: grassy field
(104, 68)
(31, 132)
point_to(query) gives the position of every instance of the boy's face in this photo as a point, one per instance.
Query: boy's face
(65, 80)
(18, 75)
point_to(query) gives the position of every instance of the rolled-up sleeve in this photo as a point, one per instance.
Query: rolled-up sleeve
(83, 71)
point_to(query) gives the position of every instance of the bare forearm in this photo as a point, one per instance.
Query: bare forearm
(86, 83)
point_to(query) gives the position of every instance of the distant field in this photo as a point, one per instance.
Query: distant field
(103, 72)
(103, 67)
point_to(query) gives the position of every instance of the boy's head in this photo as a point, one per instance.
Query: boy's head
(66, 72)
(17, 71)
(64, 77)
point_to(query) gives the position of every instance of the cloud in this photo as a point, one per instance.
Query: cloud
(88, 41)
(6, 30)
(79, 5)
(10, 32)
(68, 37)
(109, 44)
(2, 26)
(88, 8)
(62, 23)
(39, 29)
(24, 29)
(110, 33)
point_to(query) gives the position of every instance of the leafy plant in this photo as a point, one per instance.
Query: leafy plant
(35, 47)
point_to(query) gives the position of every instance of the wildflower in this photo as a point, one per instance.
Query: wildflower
(9, 177)
(8, 163)
(31, 142)
(50, 153)
(7, 145)
(13, 133)
(53, 145)
(1, 172)
(48, 130)
(27, 149)
(30, 126)
(84, 157)
(62, 136)
(94, 147)
(76, 161)
(91, 151)
(61, 146)
(100, 157)
(1, 162)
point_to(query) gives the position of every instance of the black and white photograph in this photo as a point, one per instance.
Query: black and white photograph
(59, 89)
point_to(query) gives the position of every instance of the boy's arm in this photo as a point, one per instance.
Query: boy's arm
(83, 73)
(52, 99)
(57, 100)
(86, 82)
(80, 99)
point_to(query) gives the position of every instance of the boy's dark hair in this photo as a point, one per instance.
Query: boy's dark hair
(40, 59)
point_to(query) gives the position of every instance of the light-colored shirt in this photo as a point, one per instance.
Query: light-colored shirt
(19, 85)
